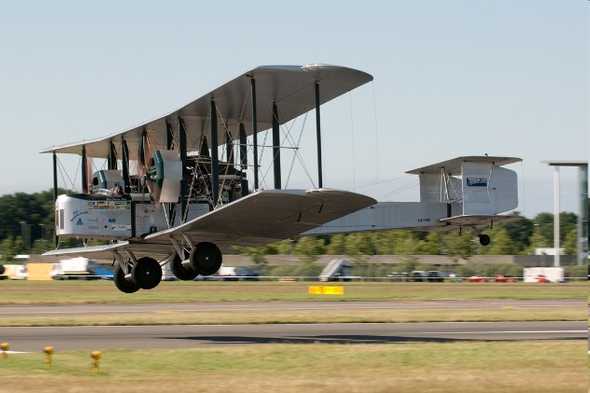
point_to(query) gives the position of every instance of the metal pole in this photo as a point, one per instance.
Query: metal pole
(55, 194)
(254, 132)
(556, 208)
(276, 146)
(583, 215)
(214, 158)
(243, 158)
(84, 171)
(318, 133)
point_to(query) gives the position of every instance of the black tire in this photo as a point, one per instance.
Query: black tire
(180, 271)
(147, 273)
(484, 239)
(2, 269)
(123, 284)
(206, 258)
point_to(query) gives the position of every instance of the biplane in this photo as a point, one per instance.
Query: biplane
(166, 197)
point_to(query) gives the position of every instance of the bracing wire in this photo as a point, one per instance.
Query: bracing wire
(280, 146)
(377, 157)
(353, 145)
(295, 151)
(406, 186)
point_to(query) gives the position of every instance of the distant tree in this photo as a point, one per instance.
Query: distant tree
(537, 240)
(383, 242)
(309, 247)
(337, 245)
(520, 231)
(8, 249)
(501, 243)
(256, 254)
(41, 245)
(544, 227)
(570, 243)
(431, 245)
(284, 247)
(544, 223)
(459, 245)
(358, 244)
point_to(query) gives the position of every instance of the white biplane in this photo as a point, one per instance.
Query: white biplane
(183, 206)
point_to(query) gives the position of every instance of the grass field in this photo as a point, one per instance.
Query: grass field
(79, 292)
(519, 367)
(299, 316)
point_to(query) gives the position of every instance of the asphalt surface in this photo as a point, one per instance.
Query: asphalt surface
(86, 309)
(183, 336)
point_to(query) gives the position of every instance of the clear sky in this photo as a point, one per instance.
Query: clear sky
(452, 78)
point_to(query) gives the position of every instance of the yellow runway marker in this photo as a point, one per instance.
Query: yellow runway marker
(325, 290)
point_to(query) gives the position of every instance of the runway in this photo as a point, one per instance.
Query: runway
(85, 309)
(183, 336)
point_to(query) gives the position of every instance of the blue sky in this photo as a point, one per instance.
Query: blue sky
(451, 78)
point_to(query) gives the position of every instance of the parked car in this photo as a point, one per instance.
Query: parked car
(435, 276)
(418, 276)
(400, 277)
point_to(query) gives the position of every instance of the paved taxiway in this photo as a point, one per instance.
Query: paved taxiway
(182, 336)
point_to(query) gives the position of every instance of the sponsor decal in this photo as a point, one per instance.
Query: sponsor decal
(477, 181)
(108, 204)
(76, 216)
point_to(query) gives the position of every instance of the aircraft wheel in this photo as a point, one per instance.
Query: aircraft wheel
(147, 273)
(122, 283)
(206, 258)
(484, 239)
(182, 272)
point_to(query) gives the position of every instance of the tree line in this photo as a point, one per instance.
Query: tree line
(27, 225)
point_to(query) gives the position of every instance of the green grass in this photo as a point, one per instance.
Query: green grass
(300, 316)
(475, 367)
(79, 292)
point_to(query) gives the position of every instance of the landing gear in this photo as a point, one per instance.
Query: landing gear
(131, 274)
(182, 271)
(206, 258)
(124, 282)
(484, 239)
(147, 273)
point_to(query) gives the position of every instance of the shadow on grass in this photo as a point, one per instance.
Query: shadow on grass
(349, 339)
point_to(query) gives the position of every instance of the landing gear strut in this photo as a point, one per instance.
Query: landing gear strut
(182, 268)
(124, 282)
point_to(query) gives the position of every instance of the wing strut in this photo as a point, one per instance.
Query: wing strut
(243, 157)
(214, 157)
(276, 146)
(254, 131)
(318, 131)
(84, 171)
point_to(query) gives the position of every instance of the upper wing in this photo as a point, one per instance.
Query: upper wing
(291, 88)
(259, 218)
